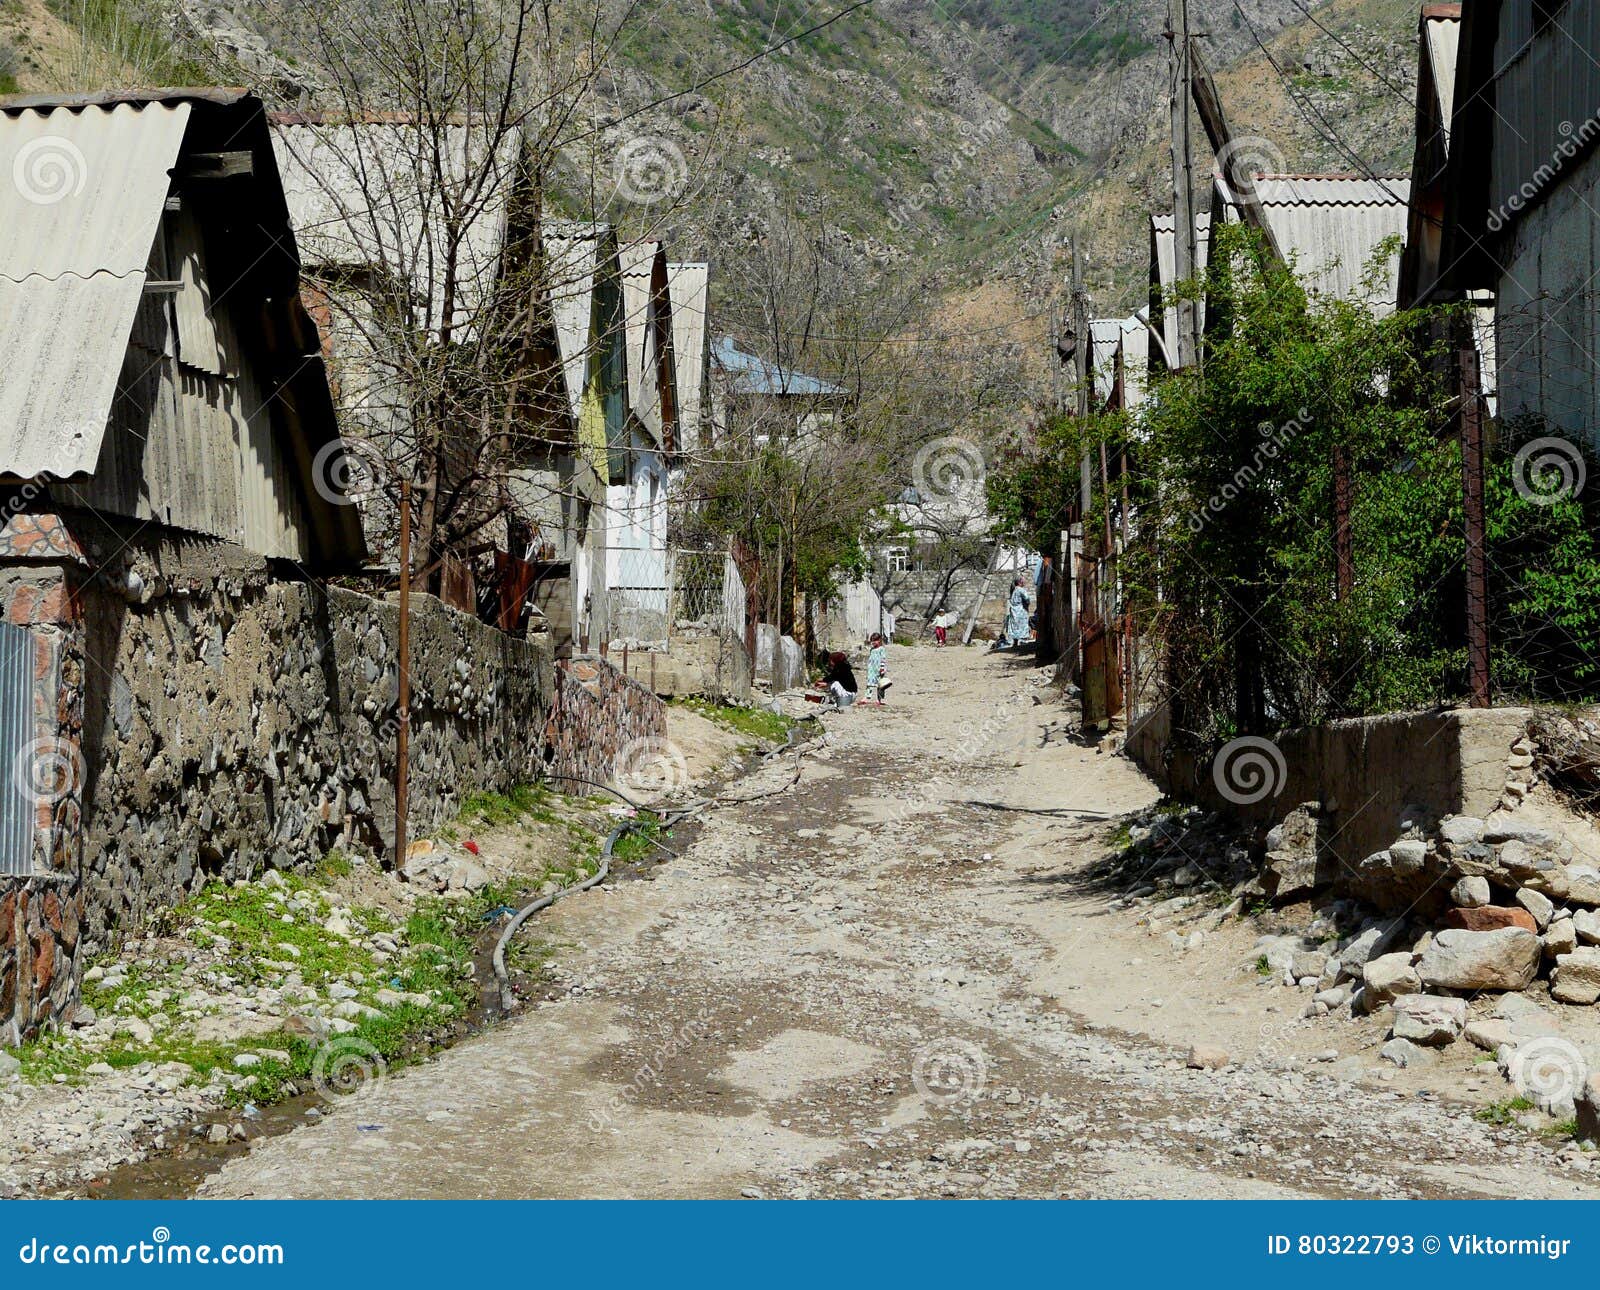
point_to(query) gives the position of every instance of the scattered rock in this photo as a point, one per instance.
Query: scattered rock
(1489, 1033)
(1461, 830)
(1206, 1057)
(1307, 963)
(1488, 918)
(1429, 1019)
(1402, 1052)
(1560, 938)
(1576, 978)
(1586, 923)
(1388, 976)
(1537, 904)
(1506, 959)
(1367, 944)
(1470, 893)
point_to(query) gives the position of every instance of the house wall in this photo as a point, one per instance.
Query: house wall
(229, 722)
(1547, 318)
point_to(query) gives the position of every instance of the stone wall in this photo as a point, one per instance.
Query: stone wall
(711, 666)
(199, 718)
(598, 714)
(1366, 776)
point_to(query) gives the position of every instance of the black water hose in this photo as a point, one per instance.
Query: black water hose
(667, 820)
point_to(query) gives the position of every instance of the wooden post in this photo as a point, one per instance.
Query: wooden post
(1478, 681)
(402, 742)
(1183, 244)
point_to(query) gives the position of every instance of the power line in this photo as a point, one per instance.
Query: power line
(1325, 129)
(1408, 99)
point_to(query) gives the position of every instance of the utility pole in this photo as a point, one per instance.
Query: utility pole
(1183, 244)
(402, 735)
(1473, 513)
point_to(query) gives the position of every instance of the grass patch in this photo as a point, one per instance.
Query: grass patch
(756, 723)
(639, 841)
(1504, 1112)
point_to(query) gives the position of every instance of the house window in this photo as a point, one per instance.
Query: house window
(898, 559)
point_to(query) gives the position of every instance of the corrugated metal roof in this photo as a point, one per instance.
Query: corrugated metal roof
(639, 264)
(1444, 41)
(79, 222)
(688, 285)
(1127, 336)
(1328, 227)
(366, 194)
(1163, 239)
(748, 374)
(572, 255)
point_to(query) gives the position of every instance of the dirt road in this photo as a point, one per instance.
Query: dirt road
(891, 980)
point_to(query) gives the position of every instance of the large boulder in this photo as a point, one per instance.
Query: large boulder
(1471, 892)
(1505, 959)
(1429, 1019)
(1371, 941)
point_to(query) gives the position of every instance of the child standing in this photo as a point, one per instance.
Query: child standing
(878, 668)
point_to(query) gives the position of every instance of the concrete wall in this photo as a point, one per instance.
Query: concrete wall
(710, 666)
(780, 662)
(214, 720)
(1364, 772)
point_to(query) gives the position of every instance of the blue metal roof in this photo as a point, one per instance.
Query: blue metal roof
(752, 375)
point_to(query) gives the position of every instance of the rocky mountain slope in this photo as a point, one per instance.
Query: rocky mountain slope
(965, 141)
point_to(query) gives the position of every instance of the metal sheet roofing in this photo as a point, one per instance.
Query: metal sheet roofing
(366, 194)
(1443, 31)
(747, 374)
(572, 254)
(1329, 226)
(1163, 239)
(79, 223)
(639, 264)
(688, 286)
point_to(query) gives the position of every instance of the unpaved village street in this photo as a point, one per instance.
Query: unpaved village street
(893, 979)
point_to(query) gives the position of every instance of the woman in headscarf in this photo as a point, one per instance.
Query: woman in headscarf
(1017, 613)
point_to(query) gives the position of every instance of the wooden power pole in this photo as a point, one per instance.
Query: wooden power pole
(1183, 243)
(402, 737)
